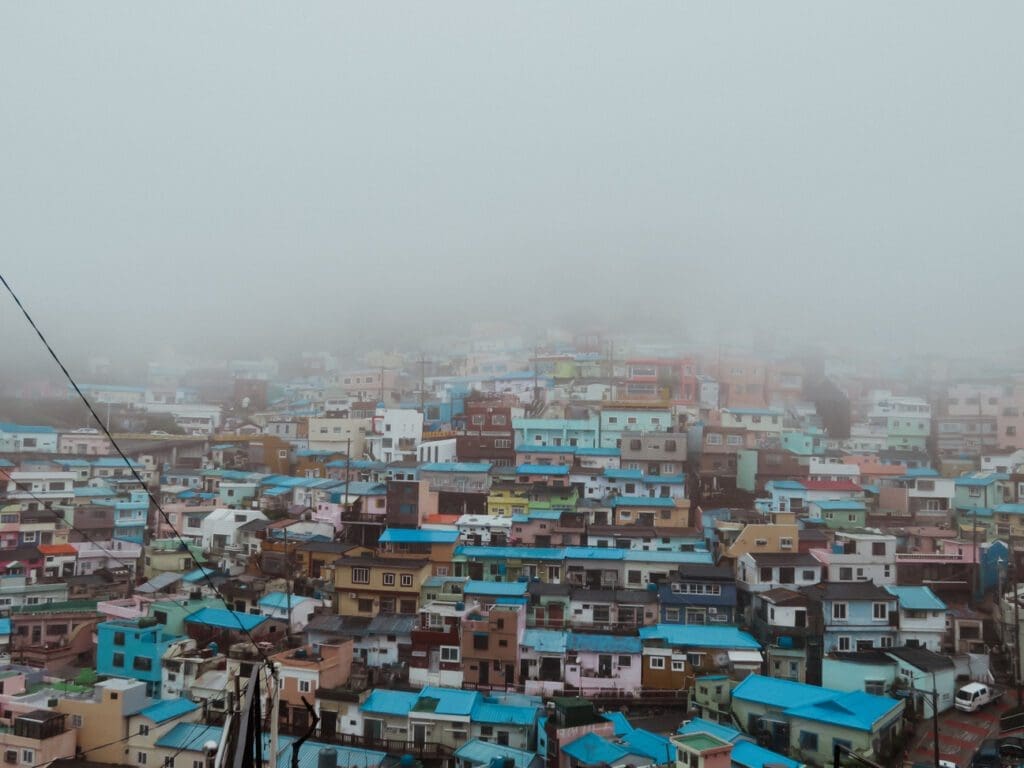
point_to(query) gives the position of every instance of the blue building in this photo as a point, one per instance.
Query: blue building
(855, 615)
(133, 649)
(703, 594)
(130, 515)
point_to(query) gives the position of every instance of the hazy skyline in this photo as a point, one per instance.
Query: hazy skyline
(267, 177)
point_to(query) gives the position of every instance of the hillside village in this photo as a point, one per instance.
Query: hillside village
(550, 557)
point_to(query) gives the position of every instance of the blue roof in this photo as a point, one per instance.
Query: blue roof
(72, 463)
(857, 710)
(641, 742)
(6, 463)
(698, 556)
(189, 736)
(89, 491)
(786, 485)
(591, 749)
(503, 714)
(417, 536)
(603, 643)
(980, 479)
(168, 709)
(112, 461)
(749, 755)
(5, 626)
(779, 693)
(1010, 509)
(386, 702)
(280, 600)
(700, 636)
(754, 411)
(598, 452)
(642, 501)
(665, 479)
(840, 505)
(545, 640)
(456, 466)
(477, 752)
(451, 701)
(542, 469)
(199, 574)
(620, 721)
(719, 731)
(614, 473)
(225, 619)
(7, 426)
(525, 448)
(921, 472)
(917, 598)
(496, 588)
(517, 553)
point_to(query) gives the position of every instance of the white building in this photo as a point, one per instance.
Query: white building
(29, 488)
(22, 438)
(274, 605)
(483, 530)
(922, 617)
(832, 469)
(395, 435)
(860, 557)
(220, 528)
(437, 451)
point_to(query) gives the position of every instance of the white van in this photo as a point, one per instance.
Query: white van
(974, 696)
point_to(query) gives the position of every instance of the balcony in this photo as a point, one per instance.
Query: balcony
(425, 750)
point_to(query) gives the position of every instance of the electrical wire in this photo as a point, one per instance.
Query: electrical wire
(131, 468)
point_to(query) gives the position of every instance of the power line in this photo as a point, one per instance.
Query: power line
(71, 525)
(131, 468)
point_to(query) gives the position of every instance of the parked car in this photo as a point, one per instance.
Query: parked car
(1012, 747)
(974, 696)
(987, 755)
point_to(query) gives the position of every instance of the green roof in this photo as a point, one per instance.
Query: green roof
(700, 741)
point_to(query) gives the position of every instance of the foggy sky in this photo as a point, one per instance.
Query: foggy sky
(318, 175)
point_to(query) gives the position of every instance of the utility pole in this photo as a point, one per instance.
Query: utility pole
(935, 720)
(423, 384)
(288, 595)
(381, 398)
(1016, 622)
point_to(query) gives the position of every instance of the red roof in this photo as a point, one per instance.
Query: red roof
(829, 485)
(57, 549)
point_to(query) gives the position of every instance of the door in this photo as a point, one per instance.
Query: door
(485, 673)
(556, 615)
(419, 734)
(328, 724)
(373, 729)
(434, 661)
(799, 618)
(604, 665)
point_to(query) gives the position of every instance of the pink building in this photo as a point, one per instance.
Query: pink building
(84, 442)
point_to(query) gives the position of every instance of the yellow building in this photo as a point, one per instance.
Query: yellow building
(367, 586)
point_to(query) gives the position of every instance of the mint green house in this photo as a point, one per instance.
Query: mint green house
(839, 514)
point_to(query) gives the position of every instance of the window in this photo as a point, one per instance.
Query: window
(28, 756)
(304, 686)
(143, 730)
(361, 576)
(670, 446)
(734, 440)
(975, 492)
(142, 664)
(141, 758)
(878, 548)
(766, 575)
(406, 580)
(480, 641)
(76, 721)
(672, 615)
(846, 574)
(625, 661)
(118, 660)
(808, 741)
(713, 438)
(839, 611)
(785, 543)
(844, 643)
(886, 642)
(450, 654)
(119, 638)
(808, 575)
(389, 579)
(364, 605)
(657, 662)
(677, 665)
(880, 611)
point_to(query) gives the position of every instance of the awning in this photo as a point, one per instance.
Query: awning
(745, 657)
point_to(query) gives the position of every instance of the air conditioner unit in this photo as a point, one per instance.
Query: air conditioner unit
(712, 611)
(352, 595)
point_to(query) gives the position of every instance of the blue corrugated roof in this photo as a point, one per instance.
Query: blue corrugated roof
(700, 636)
(746, 754)
(516, 553)
(642, 501)
(418, 536)
(5, 626)
(980, 479)
(545, 640)
(89, 491)
(385, 702)
(456, 466)
(111, 461)
(598, 452)
(658, 748)
(503, 714)
(591, 749)
(496, 588)
(620, 721)
(7, 426)
(451, 701)
(665, 479)
(914, 472)
(224, 619)
(169, 709)
(199, 574)
(857, 710)
(542, 469)
(603, 643)
(189, 736)
(280, 600)
(614, 473)
(840, 505)
(786, 485)
(917, 598)
(477, 752)
(524, 448)
(1010, 509)
(779, 693)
